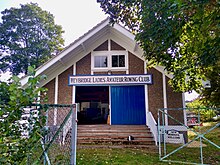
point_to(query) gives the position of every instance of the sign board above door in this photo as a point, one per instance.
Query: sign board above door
(86, 80)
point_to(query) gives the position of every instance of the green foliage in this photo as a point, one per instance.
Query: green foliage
(28, 36)
(182, 36)
(195, 104)
(4, 93)
(211, 96)
(14, 147)
(207, 115)
(198, 107)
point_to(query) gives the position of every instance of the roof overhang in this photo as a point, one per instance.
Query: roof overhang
(84, 45)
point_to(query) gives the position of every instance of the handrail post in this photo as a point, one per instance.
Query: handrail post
(73, 135)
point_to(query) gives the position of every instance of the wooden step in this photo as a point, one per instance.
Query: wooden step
(149, 148)
(112, 126)
(112, 142)
(114, 136)
(112, 130)
(110, 134)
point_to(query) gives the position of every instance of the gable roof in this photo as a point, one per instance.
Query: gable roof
(84, 45)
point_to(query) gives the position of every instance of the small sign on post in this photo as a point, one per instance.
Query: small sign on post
(174, 136)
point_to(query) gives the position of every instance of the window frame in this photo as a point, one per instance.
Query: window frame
(101, 66)
(109, 55)
(118, 60)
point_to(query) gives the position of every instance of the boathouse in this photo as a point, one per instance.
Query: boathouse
(105, 72)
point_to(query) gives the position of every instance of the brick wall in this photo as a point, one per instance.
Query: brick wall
(83, 66)
(136, 65)
(65, 91)
(112, 72)
(64, 94)
(51, 97)
(155, 97)
(155, 92)
(174, 100)
(51, 91)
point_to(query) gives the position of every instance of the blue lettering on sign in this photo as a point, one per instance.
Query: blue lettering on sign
(96, 80)
(84, 80)
(108, 80)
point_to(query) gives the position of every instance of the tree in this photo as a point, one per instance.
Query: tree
(182, 36)
(211, 96)
(13, 98)
(198, 107)
(28, 36)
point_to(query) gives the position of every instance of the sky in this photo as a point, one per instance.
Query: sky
(75, 16)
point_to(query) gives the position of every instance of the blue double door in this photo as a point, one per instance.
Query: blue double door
(128, 105)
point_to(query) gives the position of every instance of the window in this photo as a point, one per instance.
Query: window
(118, 60)
(101, 61)
(109, 60)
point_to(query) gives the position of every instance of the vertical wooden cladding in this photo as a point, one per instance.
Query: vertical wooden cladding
(174, 100)
(155, 92)
(65, 91)
(136, 65)
(115, 46)
(102, 47)
(83, 66)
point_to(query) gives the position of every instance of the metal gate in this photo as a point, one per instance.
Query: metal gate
(185, 137)
(58, 142)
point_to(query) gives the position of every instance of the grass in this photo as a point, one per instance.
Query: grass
(117, 157)
(211, 154)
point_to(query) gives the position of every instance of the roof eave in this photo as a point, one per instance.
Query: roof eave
(68, 49)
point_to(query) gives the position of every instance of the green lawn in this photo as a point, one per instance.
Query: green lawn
(117, 157)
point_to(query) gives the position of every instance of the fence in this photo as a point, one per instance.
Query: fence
(185, 137)
(58, 142)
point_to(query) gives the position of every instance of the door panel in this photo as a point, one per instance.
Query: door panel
(128, 105)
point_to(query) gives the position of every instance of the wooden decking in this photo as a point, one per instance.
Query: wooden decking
(115, 136)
